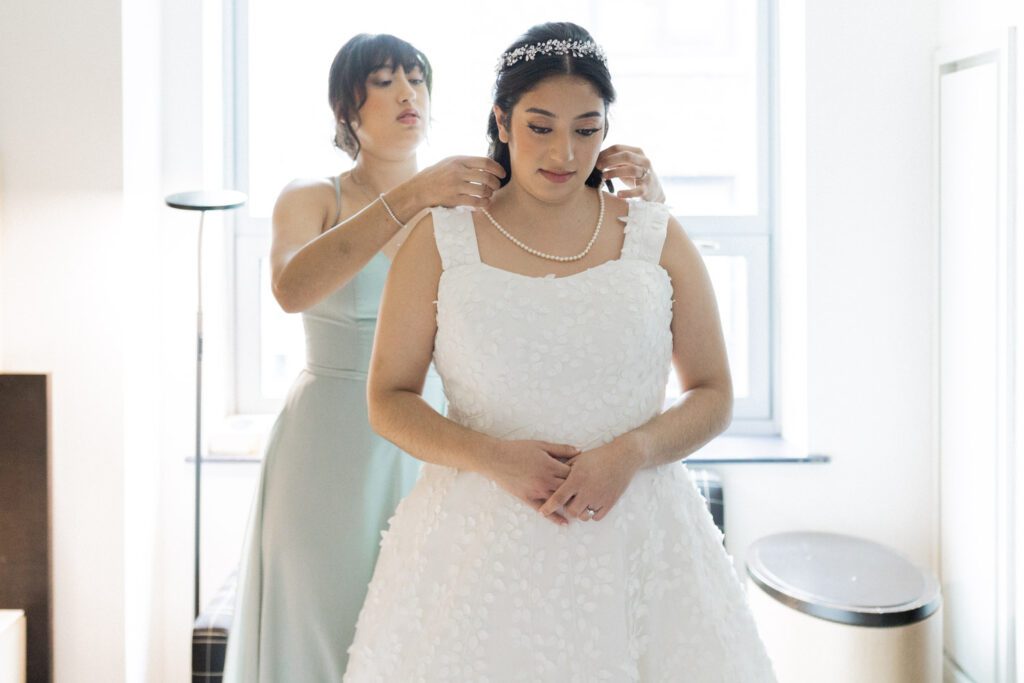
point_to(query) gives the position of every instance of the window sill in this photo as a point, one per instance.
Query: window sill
(240, 439)
(755, 450)
(237, 439)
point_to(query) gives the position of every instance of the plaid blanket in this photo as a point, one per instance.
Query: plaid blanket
(210, 634)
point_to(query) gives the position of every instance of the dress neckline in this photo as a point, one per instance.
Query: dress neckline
(550, 276)
(629, 218)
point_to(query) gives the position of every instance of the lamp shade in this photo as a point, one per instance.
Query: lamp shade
(206, 200)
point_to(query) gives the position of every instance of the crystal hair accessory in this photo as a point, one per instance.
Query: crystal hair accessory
(576, 48)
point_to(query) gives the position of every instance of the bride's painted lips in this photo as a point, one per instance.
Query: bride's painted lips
(557, 177)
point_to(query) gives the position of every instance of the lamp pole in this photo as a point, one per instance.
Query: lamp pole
(201, 201)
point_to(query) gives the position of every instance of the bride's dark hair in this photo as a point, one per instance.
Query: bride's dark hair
(526, 74)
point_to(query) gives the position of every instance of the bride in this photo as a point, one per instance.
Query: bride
(553, 318)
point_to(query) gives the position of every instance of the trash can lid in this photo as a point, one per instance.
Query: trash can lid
(842, 578)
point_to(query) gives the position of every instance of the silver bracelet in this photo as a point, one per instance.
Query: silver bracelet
(388, 209)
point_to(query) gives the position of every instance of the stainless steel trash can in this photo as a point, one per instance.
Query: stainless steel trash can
(844, 610)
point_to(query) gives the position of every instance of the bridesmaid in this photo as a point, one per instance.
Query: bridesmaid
(328, 483)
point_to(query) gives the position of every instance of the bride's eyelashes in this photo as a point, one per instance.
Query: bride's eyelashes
(541, 130)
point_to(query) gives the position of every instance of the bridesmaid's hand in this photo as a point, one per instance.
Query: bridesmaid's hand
(531, 471)
(598, 479)
(632, 166)
(459, 181)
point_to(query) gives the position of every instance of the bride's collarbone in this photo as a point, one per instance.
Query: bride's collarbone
(498, 251)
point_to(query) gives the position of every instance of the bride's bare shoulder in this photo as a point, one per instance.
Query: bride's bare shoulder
(420, 247)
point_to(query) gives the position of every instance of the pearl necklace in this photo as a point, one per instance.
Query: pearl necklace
(552, 257)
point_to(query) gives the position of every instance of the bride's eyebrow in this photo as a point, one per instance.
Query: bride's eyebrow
(545, 112)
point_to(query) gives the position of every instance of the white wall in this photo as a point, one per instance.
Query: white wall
(141, 335)
(965, 20)
(61, 154)
(856, 287)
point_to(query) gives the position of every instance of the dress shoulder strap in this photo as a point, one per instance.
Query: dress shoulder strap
(455, 236)
(646, 227)
(337, 198)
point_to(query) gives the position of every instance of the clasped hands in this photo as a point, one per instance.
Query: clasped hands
(563, 483)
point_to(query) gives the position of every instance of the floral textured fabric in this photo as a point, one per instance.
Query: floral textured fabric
(471, 583)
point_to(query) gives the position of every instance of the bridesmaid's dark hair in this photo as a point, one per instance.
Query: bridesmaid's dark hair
(526, 74)
(356, 60)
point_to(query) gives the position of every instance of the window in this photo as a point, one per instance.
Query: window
(694, 91)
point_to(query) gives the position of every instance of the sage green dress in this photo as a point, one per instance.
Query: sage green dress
(327, 488)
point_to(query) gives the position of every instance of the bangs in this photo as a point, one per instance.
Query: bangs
(387, 51)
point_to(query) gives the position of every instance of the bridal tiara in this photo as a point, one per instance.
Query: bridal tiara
(576, 48)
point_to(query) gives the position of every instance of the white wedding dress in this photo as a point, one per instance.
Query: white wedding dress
(472, 584)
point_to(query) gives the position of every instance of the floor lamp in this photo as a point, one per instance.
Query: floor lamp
(202, 201)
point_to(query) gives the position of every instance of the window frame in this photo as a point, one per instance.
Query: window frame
(753, 237)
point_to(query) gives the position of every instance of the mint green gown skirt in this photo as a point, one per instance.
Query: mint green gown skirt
(327, 488)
